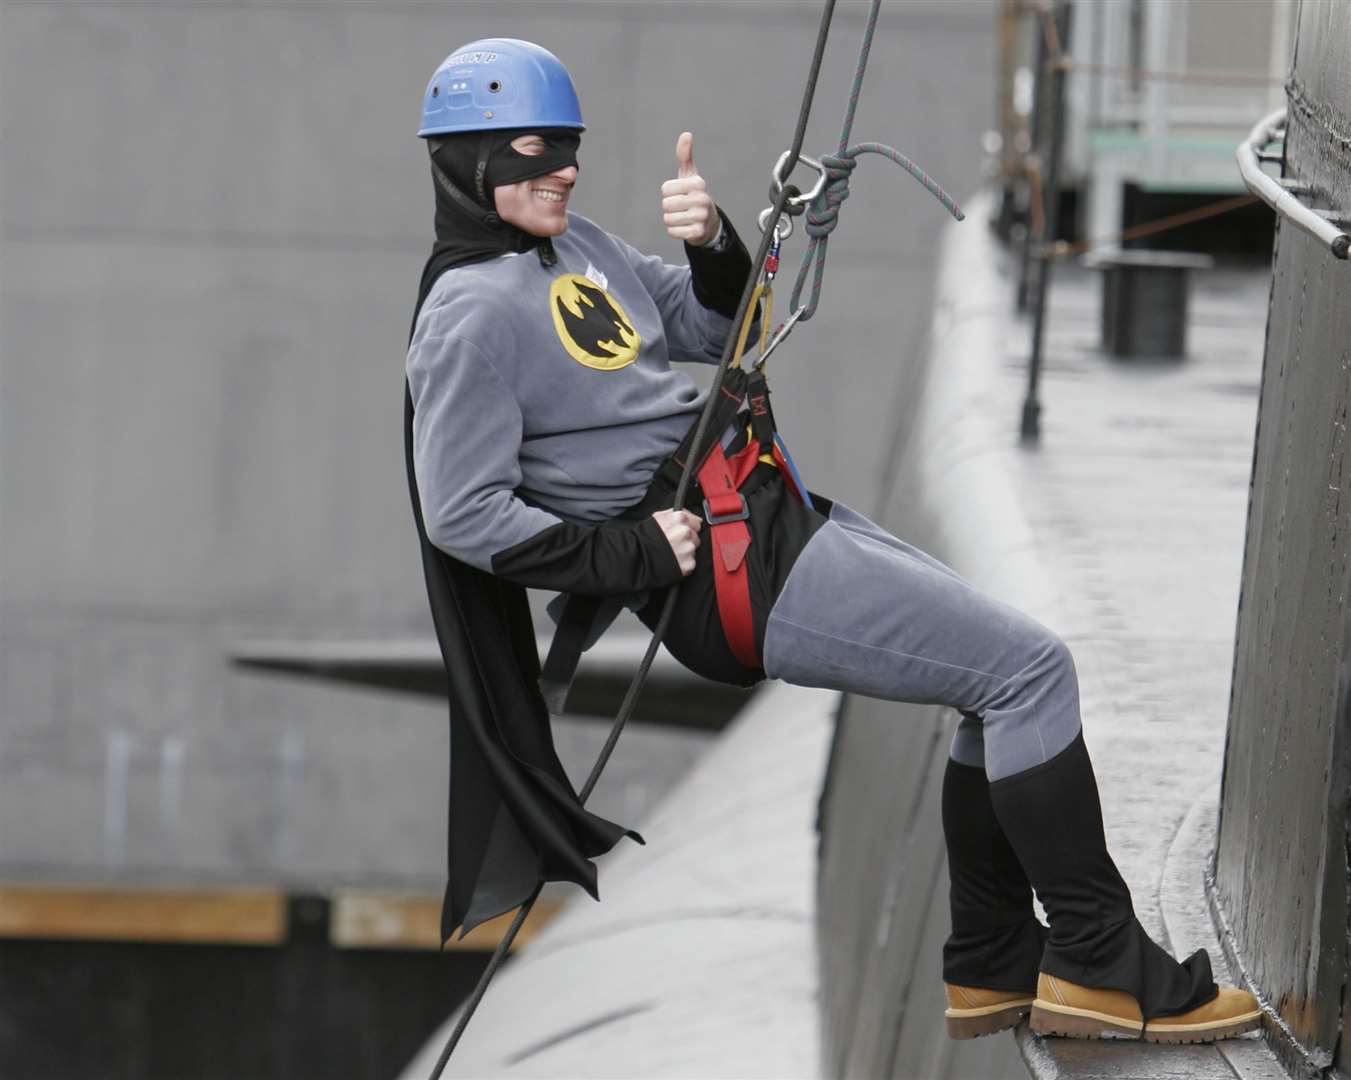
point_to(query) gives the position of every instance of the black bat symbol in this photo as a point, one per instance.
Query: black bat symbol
(598, 323)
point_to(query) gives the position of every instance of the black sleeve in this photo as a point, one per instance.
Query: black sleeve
(719, 277)
(616, 558)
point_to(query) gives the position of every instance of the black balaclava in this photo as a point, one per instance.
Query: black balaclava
(465, 169)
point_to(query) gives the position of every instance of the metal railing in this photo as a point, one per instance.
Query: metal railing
(1280, 195)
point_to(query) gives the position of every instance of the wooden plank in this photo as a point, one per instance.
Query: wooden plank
(215, 916)
(380, 920)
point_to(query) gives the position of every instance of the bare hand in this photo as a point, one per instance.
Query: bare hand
(686, 206)
(681, 529)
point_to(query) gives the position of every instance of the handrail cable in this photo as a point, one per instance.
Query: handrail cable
(1063, 249)
(1058, 60)
(1196, 78)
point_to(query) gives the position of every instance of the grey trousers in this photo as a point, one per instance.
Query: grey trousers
(866, 613)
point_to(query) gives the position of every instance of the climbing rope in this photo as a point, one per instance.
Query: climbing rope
(822, 214)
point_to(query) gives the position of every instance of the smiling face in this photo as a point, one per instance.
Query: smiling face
(539, 205)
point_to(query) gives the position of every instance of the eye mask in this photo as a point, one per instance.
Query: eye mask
(477, 164)
(508, 166)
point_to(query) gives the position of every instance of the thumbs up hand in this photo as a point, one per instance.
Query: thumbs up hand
(686, 206)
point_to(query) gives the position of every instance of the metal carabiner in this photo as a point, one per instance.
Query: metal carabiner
(777, 340)
(778, 181)
(783, 228)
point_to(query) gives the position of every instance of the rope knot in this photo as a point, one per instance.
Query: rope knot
(823, 213)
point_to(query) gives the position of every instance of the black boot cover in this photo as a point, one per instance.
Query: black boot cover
(1053, 819)
(996, 940)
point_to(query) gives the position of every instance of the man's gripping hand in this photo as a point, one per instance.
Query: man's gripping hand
(681, 529)
(686, 206)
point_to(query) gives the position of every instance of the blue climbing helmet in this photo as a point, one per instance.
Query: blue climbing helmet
(499, 83)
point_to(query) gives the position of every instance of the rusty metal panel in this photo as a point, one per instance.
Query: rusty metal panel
(1281, 870)
(1284, 709)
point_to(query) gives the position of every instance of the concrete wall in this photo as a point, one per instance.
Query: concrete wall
(212, 220)
(1282, 875)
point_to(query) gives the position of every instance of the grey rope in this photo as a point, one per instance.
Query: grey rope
(823, 212)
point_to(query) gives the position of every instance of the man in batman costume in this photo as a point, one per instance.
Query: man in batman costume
(544, 428)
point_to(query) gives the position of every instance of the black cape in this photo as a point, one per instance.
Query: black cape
(514, 819)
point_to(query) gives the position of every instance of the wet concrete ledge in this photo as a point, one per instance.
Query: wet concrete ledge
(700, 962)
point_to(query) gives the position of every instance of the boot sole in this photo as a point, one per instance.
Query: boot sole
(1203, 1033)
(973, 1023)
(1072, 1023)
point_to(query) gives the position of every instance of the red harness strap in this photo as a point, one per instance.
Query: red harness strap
(726, 512)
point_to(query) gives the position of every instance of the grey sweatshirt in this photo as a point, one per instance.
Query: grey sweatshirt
(545, 396)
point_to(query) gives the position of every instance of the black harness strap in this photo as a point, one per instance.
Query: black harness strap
(731, 394)
(762, 416)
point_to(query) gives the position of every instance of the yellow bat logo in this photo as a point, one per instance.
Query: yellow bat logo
(592, 326)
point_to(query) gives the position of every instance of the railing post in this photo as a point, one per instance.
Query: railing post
(1030, 429)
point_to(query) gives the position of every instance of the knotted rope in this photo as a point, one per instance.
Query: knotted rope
(823, 212)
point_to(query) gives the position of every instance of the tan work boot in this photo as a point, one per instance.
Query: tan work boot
(973, 1011)
(1080, 1012)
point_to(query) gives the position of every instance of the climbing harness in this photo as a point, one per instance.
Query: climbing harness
(721, 475)
(722, 479)
(725, 509)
